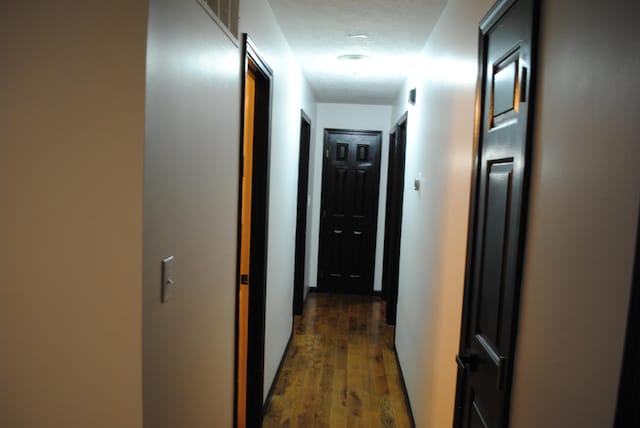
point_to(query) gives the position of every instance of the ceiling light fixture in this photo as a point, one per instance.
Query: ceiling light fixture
(358, 36)
(353, 57)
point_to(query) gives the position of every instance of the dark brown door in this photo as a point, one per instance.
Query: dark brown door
(301, 223)
(393, 218)
(497, 223)
(349, 213)
(628, 411)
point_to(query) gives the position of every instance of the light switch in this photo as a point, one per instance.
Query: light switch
(167, 278)
(417, 183)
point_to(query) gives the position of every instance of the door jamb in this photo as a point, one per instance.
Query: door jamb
(390, 285)
(627, 412)
(300, 262)
(251, 58)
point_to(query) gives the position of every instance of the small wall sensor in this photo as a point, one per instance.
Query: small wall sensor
(417, 182)
(412, 96)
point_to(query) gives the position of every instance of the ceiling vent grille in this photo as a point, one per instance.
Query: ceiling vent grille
(225, 13)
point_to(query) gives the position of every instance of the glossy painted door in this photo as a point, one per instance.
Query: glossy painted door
(498, 216)
(349, 210)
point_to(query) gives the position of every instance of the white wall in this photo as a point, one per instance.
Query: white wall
(432, 260)
(346, 116)
(585, 193)
(190, 212)
(71, 140)
(191, 198)
(584, 211)
(290, 94)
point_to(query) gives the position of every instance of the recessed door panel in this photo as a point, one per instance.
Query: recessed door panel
(495, 249)
(360, 196)
(339, 191)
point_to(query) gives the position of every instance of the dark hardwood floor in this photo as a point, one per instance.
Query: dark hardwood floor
(341, 368)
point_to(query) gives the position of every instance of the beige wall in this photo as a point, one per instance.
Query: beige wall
(190, 212)
(584, 208)
(71, 147)
(190, 207)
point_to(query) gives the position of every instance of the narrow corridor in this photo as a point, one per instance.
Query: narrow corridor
(341, 368)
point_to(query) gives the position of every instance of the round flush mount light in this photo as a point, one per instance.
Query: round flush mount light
(353, 57)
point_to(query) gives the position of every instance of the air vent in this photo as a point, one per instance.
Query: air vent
(225, 13)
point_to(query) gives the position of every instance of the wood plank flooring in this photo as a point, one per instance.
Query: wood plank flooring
(341, 368)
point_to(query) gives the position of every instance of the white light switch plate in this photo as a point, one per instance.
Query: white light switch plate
(167, 278)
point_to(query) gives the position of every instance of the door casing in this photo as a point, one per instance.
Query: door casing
(301, 222)
(628, 411)
(393, 217)
(252, 60)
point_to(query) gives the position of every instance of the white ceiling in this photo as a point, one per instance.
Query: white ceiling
(318, 32)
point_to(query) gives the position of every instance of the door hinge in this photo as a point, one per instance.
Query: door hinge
(326, 154)
(324, 213)
(244, 279)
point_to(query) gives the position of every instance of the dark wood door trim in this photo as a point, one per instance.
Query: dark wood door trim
(500, 8)
(628, 411)
(301, 217)
(393, 218)
(259, 232)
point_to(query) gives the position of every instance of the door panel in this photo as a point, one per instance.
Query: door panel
(498, 214)
(349, 210)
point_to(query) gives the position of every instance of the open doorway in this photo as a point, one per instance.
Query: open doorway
(301, 222)
(252, 237)
(393, 218)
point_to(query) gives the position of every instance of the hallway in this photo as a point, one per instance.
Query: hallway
(120, 182)
(340, 369)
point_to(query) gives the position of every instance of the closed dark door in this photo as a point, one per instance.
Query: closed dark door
(496, 239)
(349, 214)
(393, 218)
(301, 223)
